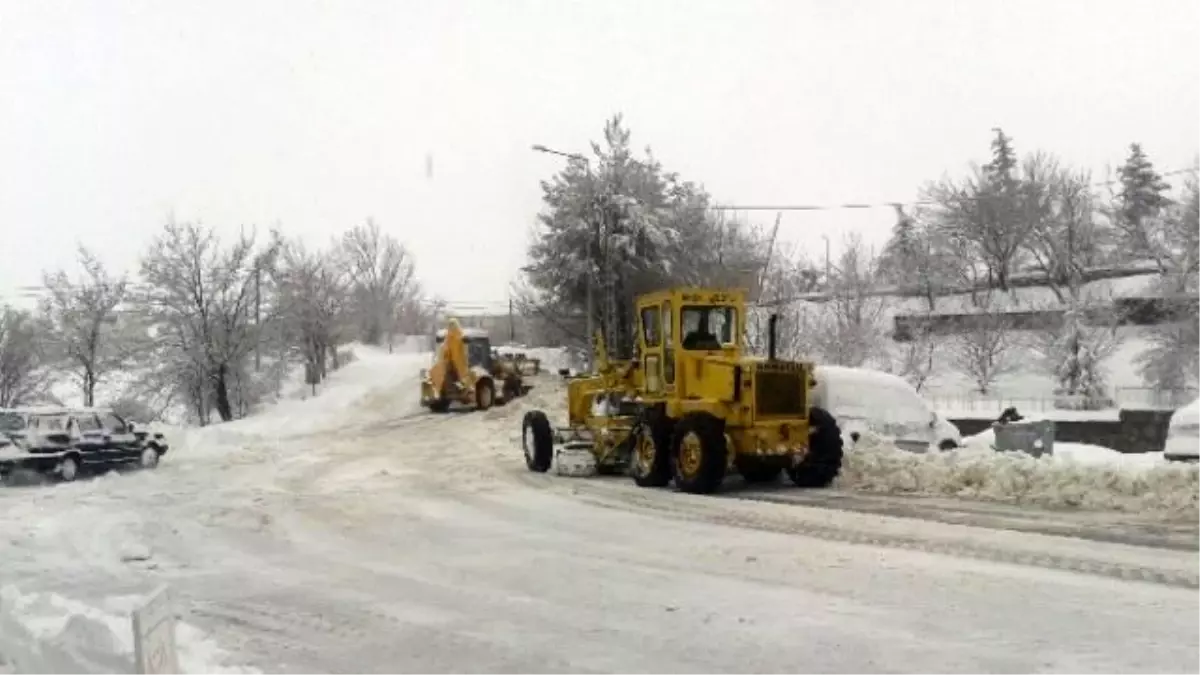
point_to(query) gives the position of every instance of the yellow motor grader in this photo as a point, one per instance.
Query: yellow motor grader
(690, 406)
(467, 371)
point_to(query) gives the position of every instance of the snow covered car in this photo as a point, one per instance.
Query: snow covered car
(1183, 434)
(64, 442)
(869, 400)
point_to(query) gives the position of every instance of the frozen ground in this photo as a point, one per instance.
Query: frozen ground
(352, 532)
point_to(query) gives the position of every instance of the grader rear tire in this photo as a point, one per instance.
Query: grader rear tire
(698, 448)
(824, 459)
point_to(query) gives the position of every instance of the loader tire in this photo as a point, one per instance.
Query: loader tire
(537, 440)
(698, 448)
(824, 459)
(512, 389)
(650, 461)
(485, 394)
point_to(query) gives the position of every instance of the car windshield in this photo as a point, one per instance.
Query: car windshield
(11, 421)
(51, 422)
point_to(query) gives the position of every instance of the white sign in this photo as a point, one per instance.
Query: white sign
(154, 634)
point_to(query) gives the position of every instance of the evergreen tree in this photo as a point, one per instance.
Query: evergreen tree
(1142, 197)
(629, 227)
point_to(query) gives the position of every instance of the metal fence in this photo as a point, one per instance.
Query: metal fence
(1155, 399)
(1136, 398)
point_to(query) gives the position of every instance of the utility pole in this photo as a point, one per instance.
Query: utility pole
(512, 323)
(828, 281)
(257, 318)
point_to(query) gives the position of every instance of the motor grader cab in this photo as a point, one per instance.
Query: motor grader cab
(691, 406)
(466, 371)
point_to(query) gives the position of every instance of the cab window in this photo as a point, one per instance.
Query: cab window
(708, 327)
(650, 327)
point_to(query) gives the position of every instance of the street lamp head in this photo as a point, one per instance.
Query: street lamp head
(540, 148)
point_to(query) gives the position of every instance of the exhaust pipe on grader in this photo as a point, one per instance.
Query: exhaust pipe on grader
(690, 406)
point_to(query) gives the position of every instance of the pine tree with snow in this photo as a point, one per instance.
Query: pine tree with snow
(1002, 169)
(1076, 355)
(1142, 197)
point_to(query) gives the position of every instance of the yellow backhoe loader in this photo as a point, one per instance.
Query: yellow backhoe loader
(690, 406)
(466, 371)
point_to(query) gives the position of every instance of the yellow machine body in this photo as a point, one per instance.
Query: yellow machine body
(690, 358)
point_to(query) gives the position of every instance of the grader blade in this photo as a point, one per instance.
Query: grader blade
(574, 459)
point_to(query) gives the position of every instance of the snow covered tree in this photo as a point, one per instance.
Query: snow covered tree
(1141, 199)
(1171, 362)
(987, 211)
(82, 317)
(984, 350)
(787, 277)
(383, 279)
(1068, 237)
(1075, 350)
(915, 358)
(850, 326)
(23, 376)
(312, 292)
(1173, 237)
(917, 258)
(200, 298)
(626, 226)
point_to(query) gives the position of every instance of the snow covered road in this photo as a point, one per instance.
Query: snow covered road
(352, 533)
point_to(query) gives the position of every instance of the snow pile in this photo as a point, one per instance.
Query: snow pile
(365, 388)
(47, 633)
(1074, 479)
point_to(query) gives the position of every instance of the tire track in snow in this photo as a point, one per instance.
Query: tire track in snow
(678, 506)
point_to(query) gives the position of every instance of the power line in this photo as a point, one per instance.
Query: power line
(877, 205)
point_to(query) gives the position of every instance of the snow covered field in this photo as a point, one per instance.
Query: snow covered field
(353, 532)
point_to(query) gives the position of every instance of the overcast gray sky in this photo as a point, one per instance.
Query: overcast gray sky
(316, 115)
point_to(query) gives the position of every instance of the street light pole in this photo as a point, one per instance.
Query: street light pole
(590, 299)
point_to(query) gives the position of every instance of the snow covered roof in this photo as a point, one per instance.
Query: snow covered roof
(1188, 414)
(863, 377)
(468, 333)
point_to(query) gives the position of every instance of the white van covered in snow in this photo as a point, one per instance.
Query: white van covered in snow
(883, 404)
(1183, 434)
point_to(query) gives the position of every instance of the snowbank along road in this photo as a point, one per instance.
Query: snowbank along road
(354, 532)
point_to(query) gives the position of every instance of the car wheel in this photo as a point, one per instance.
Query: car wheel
(149, 458)
(68, 469)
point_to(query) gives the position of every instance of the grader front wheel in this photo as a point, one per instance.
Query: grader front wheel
(700, 454)
(650, 461)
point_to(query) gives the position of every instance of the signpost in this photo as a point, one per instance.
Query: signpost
(154, 634)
